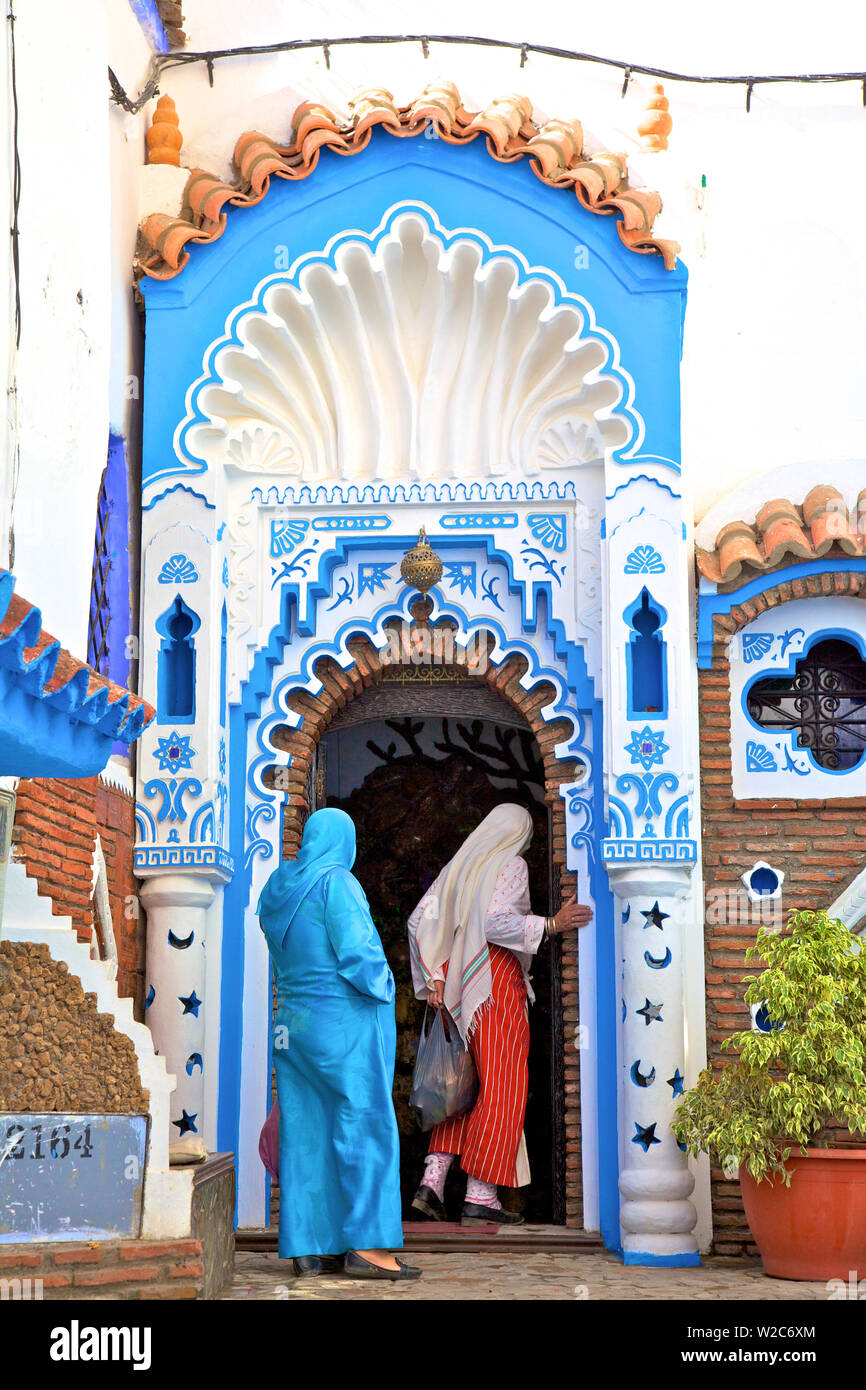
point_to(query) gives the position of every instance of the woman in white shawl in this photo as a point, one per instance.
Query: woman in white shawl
(471, 942)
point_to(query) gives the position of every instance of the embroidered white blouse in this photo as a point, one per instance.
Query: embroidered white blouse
(509, 921)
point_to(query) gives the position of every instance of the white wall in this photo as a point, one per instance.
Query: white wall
(77, 229)
(772, 372)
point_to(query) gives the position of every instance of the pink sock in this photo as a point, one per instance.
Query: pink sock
(436, 1171)
(484, 1193)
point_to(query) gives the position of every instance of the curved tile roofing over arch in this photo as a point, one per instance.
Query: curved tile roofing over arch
(554, 150)
(784, 534)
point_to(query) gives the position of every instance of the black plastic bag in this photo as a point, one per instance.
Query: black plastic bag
(444, 1082)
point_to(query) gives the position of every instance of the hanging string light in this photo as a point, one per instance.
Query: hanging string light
(160, 62)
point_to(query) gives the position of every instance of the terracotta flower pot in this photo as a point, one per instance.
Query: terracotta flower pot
(816, 1228)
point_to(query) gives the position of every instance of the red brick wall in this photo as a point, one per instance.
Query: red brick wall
(820, 846)
(56, 824)
(120, 1269)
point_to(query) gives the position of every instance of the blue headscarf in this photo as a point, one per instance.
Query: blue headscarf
(328, 843)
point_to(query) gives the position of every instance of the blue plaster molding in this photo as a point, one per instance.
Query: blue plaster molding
(177, 487)
(711, 602)
(642, 478)
(449, 491)
(197, 857)
(147, 15)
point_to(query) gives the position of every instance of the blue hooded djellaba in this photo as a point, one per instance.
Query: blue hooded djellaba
(335, 1042)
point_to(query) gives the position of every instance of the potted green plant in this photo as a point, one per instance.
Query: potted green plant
(777, 1110)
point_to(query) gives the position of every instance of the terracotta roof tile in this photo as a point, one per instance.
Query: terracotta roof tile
(784, 533)
(50, 673)
(554, 150)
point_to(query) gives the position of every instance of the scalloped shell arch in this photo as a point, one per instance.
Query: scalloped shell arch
(414, 359)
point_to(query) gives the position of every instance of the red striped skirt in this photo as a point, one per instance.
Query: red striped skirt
(487, 1137)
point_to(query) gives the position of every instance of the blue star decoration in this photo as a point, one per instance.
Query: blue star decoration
(651, 1013)
(644, 1137)
(676, 1082)
(186, 1123)
(192, 1003)
(373, 576)
(647, 747)
(653, 917)
(461, 573)
(174, 753)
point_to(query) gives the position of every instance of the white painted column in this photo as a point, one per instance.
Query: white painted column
(176, 906)
(655, 1182)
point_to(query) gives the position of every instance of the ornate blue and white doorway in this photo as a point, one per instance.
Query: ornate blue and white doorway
(429, 357)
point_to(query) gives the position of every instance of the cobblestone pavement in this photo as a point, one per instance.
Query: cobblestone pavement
(498, 1276)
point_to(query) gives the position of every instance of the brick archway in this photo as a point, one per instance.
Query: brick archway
(340, 685)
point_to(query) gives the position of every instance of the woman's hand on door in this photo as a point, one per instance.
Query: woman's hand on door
(572, 915)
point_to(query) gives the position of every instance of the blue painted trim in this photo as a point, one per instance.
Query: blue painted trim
(842, 634)
(117, 546)
(606, 1005)
(235, 900)
(178, 487)
(643, 478)
(686, 1261)
(147, 15)
(712, 602)
(451, 491)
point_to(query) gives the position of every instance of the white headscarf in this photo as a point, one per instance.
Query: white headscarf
(452, 925)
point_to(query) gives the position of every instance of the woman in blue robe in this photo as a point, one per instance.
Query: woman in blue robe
(334, 1048)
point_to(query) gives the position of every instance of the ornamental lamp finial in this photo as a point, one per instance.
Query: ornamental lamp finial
(421, 567)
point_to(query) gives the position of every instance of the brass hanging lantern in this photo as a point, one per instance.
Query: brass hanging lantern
(421, 567)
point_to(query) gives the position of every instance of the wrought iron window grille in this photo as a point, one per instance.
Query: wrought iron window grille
(824, 700)
(100, 612)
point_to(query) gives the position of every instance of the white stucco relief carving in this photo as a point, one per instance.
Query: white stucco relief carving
(414, 360)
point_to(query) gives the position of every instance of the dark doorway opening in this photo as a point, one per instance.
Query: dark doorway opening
(417, 770)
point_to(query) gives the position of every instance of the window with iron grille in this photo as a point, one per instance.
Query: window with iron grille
(100, 612)
(824, 700)
(108, 648)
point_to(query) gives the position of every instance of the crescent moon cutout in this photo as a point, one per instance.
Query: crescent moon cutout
(640, 1080)
(627, 913)
(180, 943)
(658, 964)
(193, 1061)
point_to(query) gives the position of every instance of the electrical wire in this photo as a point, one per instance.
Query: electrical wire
(16, 177)
(12, 379)
(163, 61)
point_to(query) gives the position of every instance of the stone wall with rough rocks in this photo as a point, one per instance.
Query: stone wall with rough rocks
(57, 1053)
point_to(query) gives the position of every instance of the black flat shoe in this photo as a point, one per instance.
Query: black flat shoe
(306, 1265)
(475, 1214)
(426, 1202)
(356, 1267)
